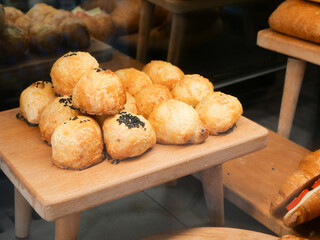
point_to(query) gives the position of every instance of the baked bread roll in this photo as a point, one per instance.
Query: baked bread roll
(297, 18)
(25, 23)
(77, 143)
(308, 171)
(219, 112)
(34, 99)
(191, 89)
(39, 11)
(127, 135)
(12, 13)
(133, 80)
(99, 92)
(55, 113)
(163, 73)
(75, 33)
(176, 122)
(45, 38)
(68, 69)
(56, 17)
(13, 43)
(151, 96)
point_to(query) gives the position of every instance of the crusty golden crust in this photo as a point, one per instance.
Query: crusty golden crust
(128, 135)
(34, 99)
(297, 18)
(77, 143)
(219, 112)
(151, 96)
(308, 171)
(55, 113)
(163, 73)
(12, 13)
(133, 80)
(176, 122)
(191, 89)
(130, 105)
(99, 92)
(68, 69)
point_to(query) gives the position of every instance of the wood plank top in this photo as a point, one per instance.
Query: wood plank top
(288, 45)
(251, 181)
(54, 192)
(209, 233)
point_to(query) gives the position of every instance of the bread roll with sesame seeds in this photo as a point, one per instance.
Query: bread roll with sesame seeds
(163, 73)
(219, 112)
(176, 122)
(55, 113)
(99, 92)
(77, 143)
(34, 99)
(68, 69)
(127, 135)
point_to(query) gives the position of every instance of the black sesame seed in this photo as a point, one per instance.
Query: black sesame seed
(130, 120)
(70, 54)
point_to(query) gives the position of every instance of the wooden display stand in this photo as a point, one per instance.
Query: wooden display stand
(251, 181)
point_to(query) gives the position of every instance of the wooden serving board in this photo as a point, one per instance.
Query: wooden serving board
(210, 233)
(54, 192)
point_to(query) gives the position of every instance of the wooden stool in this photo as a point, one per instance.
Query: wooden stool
(299, 52)
(178, 8)
(207, 233)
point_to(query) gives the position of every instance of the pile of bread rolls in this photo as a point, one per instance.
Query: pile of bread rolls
(87, 108)
(43, 29)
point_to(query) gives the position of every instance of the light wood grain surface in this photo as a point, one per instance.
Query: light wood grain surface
(210, 233)
(290, 46)
(54, 192)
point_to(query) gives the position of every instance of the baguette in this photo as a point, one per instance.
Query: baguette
(297, 18)
(308, 171)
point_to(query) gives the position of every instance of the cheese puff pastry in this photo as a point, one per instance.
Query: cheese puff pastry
(176, 122)
(219, 112)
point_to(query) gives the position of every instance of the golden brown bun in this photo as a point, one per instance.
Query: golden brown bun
(55, 113)
(151, 96)
(306, 210)
(13, 43)
(133, 80)
(68, 69)
(219, 112)
(163, 73)
(128, 135)
(12, 13)
(45, 38)
(291, 237)
(39, 11)
(130, 105)
(25, 23)
(34, 99)
(308, 171)
(191, 89)
(77, 143)
(75, 33)
(99, 92)
(56, 17)
(100, 26)
(297, 18)
(176, 122)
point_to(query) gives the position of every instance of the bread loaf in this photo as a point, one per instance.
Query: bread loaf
(297, 18)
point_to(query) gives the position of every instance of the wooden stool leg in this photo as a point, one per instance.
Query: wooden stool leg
(213, 190)
(66, 228)
(176, 38)
(292, 85)
(22, 214)
(147, 10)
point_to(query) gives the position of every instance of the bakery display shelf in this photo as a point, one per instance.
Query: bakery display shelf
(54, 192)
(34, 65)
(251, 181)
